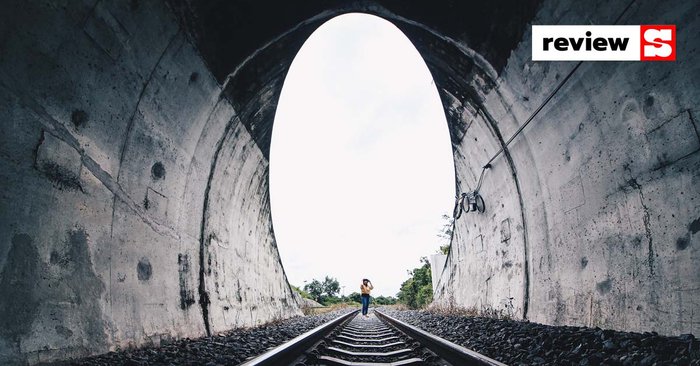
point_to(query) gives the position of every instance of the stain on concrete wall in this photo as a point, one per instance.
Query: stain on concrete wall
(158, 171)
(59, 162)
(76, 272)
(187, 294)
(694, 226)
(604, 286)
(65, 276)
(19, 302)
(144, 270)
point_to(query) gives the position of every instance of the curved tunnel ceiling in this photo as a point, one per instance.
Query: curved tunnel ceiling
(491, 28)
(252, 68)
(465, 48)
(253, 73)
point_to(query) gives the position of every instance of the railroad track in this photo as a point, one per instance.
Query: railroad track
(354, 340)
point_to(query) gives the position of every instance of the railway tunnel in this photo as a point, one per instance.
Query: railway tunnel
(135, 145)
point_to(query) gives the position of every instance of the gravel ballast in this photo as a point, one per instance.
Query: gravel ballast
(524, 343)
(508, 341)
(231, 348)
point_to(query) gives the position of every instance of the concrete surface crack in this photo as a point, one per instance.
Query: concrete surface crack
(692, 121)
(647, 225)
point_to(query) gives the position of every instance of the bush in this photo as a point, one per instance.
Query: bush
(325, 291)
(417, 291)
(355, 297)
(381, 300)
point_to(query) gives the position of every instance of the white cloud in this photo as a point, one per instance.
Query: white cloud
(360, 164)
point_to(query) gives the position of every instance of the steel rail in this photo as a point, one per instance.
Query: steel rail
(291, 350)
(450, 352)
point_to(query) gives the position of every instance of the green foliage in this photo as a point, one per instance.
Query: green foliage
(315, 289)
(324, 292)
(331, 286)
(417, 291)
(355, 297)
(382, 300)
(378, 300)
(301, 292)
(331, 300)
(446, 233)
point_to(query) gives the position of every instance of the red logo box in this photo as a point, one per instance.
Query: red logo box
(657, 43)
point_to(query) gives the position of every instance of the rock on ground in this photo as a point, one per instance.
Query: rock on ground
(524, 343)
(511, 342)
(231, 348)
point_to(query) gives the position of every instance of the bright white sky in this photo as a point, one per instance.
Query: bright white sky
(361, 166)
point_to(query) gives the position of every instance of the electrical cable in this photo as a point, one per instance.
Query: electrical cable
(534, 114)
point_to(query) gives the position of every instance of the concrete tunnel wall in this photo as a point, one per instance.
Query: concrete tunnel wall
(135, 203)
(114, 132)
(593, 210)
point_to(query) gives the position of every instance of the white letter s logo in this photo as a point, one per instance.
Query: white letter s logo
(658, 48)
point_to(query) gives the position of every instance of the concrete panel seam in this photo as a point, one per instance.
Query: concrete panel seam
(573, 192)
(678, 144)
(694, 123)
(320, 16)
(88, 14)
(479, 60)
(193, 159)
(203, 294)
(272, 230)
(157, 201)
(511, 164)
(118, 32)
(666, 165)
(662, 124)
(57, 129)
(130, 124)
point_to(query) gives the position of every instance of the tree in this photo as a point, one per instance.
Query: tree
(323, 291)
(446, 233)
(417, 291)
(355, 296)
(315, 289)
(331, 286)
(382, 300)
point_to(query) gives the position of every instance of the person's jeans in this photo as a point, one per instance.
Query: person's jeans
(365, 304)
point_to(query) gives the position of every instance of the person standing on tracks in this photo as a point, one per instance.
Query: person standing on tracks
(365, 288)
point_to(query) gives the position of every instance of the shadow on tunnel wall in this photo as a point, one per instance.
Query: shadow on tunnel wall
(135, 204)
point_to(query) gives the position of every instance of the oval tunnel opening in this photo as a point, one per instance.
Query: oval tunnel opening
(361, 166)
